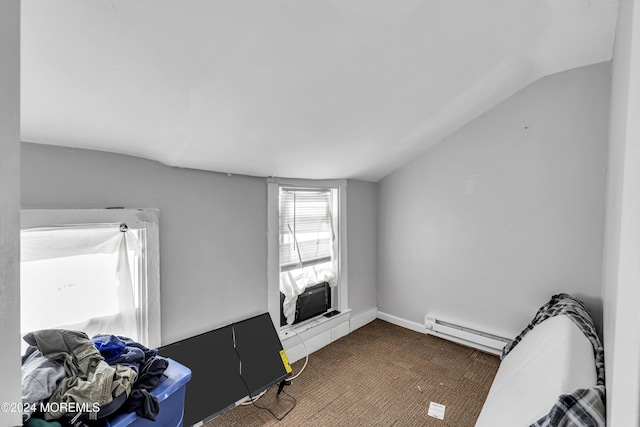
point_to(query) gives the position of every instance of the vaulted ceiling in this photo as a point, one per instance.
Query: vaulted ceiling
(288, 88)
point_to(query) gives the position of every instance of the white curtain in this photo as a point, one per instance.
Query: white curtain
(294, 282)
(79, 278)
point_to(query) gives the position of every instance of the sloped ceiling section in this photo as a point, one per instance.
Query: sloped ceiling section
(289, 88)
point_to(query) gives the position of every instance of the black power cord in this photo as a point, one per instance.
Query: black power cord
(295, 402)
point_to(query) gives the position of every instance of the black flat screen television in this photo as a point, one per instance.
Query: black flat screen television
(214, 359)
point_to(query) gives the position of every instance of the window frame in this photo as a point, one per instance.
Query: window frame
(341, 294)
(143, 218)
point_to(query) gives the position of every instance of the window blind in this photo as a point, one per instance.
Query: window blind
(306, 227)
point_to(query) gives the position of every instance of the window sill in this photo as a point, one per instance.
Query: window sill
(315, 326)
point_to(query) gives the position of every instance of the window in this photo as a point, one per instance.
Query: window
(91, 270)
(306, 246)
(306, 227)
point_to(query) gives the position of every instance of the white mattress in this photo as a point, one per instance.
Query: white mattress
(552, 359)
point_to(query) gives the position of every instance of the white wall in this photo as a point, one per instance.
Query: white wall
(506, 212)
(213, 229)
(621, 293)
(362, 234)
(10, 208)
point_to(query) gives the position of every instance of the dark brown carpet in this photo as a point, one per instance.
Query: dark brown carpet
(383, 375)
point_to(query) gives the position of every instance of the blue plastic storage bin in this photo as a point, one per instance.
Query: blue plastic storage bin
(170, 393)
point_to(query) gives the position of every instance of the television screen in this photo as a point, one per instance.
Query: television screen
(215, 359)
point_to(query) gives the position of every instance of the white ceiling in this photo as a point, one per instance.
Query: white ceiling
(289, 88)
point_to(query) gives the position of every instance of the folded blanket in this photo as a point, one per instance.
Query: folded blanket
(584, 407)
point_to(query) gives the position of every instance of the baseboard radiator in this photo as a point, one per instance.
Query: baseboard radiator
(464, 334)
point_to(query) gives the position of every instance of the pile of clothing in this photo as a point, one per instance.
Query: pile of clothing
(69, 379)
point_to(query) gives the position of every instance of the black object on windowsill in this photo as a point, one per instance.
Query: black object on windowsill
(314, 301)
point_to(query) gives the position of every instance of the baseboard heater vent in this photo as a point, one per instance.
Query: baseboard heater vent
(463, 334)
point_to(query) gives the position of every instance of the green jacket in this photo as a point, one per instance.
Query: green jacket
(88, 380)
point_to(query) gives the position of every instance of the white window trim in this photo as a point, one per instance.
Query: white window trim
(146, 217)
(273, 233)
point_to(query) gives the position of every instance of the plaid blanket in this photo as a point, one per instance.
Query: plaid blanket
(583, 407)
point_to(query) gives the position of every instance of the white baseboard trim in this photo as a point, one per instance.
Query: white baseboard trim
(414, 326)
(317, 337)
(361, 319)
(297, 351)
(315, 333)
